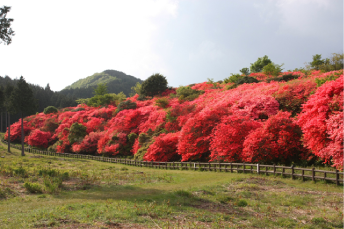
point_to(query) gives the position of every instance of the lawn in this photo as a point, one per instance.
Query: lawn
(50, 192)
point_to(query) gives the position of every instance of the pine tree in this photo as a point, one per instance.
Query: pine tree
(23, 102)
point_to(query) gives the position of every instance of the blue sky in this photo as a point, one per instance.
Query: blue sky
(188, 41)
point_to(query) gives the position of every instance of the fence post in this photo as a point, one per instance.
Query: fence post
(337, 177)
(274, 170)
(303, 173)
(231, 167)
(258, 169)
(244, 167)
(292, 172)
(313, 174)
(209, 166)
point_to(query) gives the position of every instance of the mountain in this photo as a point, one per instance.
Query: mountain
(116, 82)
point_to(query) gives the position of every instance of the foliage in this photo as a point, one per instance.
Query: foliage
(321, 81)
(272, 69)
(154, 85)
(162, 102)
(22, 98)
(245, 71)
(50, 109)
(246, 79)
(101, 89)
(233, 78)
(77, 133)
(6, 31)
(335, 62)
(317, 61)
(126, 105)
(260, 63)
(33, 187)
(136, 89)
(187, 93)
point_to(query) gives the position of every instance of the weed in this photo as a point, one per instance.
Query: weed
(242, 203)
(33, 187)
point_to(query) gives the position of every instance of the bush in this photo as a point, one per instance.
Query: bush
(233, 78)
(187, 93)
(126, 105)
(162, 102)
(77, 133)
(331, 77)
(154, 85)
(247, 79)
(33, 187)
(242, 203)
(272, 69)
(50, 109)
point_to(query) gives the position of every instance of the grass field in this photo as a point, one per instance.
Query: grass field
(49, 192)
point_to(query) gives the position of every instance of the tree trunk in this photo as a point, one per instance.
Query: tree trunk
(9, 133)
(1, 124)
(22, 134)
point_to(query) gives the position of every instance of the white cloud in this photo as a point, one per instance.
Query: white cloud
(206, 50)
(60, 42)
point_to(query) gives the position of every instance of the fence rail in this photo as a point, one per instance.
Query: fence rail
(284, 171)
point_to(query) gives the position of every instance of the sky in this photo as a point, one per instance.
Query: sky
(188, 41)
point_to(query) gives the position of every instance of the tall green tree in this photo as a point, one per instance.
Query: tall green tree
(2, 107)
(154, 85)
(260, 63)
(23, 102)
(101, 89)
(6, 31)
(317, 61)
(9, 110)
(245, 71)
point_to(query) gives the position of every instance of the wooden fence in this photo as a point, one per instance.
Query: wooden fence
(284, 171)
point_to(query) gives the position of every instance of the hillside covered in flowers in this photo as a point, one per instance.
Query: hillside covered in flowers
(292, 118)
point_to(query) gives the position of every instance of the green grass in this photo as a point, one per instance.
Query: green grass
(78, 193)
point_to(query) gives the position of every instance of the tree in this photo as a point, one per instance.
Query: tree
(260, 63)
(6, 32)
(23, 101)
(154, 85)
(245, 71)
(2, 100)
(101, 89)
(9, 109)
(317, 61)
(136, 89)
(272, 69)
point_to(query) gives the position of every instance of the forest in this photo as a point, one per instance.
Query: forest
(292, 117)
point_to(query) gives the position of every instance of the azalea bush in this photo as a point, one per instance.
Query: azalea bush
(294, 117)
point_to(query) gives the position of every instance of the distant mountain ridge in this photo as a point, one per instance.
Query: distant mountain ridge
(116, 82)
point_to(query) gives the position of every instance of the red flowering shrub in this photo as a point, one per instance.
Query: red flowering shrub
(291, 95)
(195, 134)
(228, 137)
(16, 131)
(164, 148)
(321, 122)
(277, 141)
(39, 138)
(89, 144)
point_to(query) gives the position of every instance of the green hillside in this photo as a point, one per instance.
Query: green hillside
(116, 82)
(92, 80)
